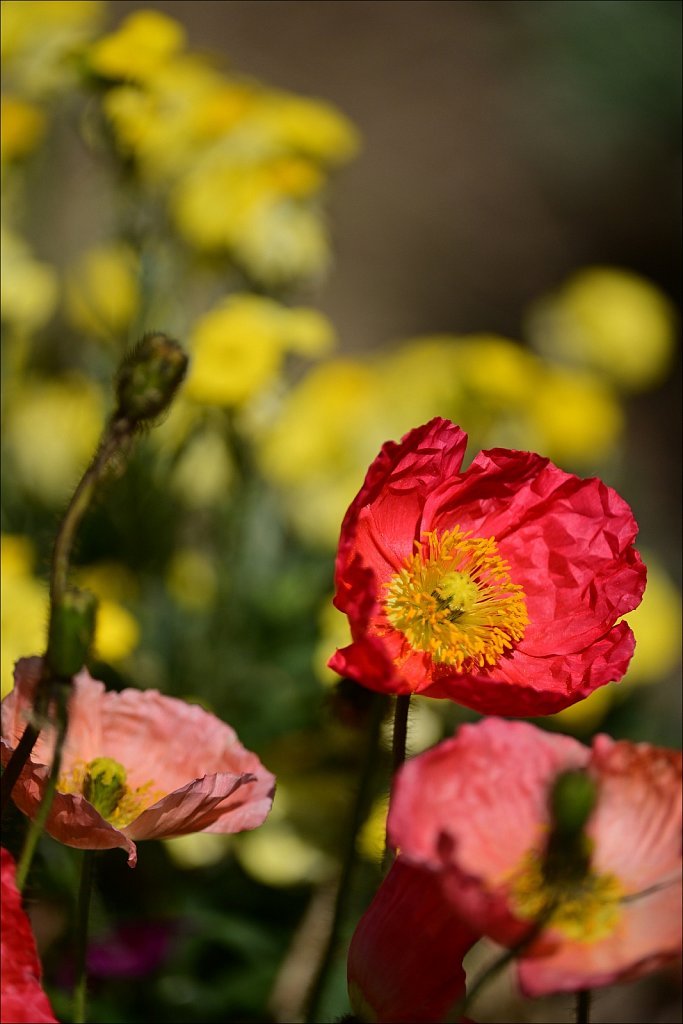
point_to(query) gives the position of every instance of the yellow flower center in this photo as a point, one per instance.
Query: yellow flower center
(585, 909)
(103, 784)
(455, 600)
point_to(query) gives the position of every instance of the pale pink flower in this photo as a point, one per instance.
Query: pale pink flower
(474, 809)
(166, 767)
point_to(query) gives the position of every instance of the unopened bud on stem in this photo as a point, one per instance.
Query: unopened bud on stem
(149, 377)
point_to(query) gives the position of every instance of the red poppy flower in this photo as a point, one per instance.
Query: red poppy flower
(405, 958)
(498, 587)
(135, 765)
(475, 811)
(23, 999)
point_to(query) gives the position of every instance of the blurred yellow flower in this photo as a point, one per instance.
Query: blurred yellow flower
(333, 632)
(102, 295)
(610, 320)
(191, 579)
(203, 473)
(310, 126)
(577, 417)
(117, 633)
(28, 287)
(23, 607)
(199, 850)
(238, 347)
(52, 428)
(21, 127)
(38, 36)
(139, 47)
(275, 854)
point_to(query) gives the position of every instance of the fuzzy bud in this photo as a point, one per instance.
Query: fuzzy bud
(149, 377)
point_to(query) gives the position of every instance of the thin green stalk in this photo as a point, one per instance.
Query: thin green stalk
(112, 439)
(358, 813)
(82, 920)
(583, 1006)
(398, 747)
(398, 756)
(494, 969)
(37, 825)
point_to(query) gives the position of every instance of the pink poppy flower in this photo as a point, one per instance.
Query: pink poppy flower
(135, 765)
(405, 958)
(498, 587)
(23, 999)
(474, 809)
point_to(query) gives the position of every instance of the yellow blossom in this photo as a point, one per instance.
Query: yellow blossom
(51, 432)
(23, 606)
(117, 633)
(577, 417)
(102, 295)
(139, 47)
(28, 287)
(21, 127)
(610, 320)
(310, 126)
(239, 345)
(38, 37)
(203, 473)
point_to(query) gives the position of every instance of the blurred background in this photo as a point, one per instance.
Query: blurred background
(356, 216)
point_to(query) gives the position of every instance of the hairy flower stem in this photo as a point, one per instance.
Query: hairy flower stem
(358, 812)
(583, 1006)
(83, 915)
(37, 825)
(398, 756)
(115, 435)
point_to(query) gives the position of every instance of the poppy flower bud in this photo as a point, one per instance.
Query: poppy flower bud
(72, 627)
(149, 377)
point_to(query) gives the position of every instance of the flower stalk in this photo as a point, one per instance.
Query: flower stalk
(82, 922)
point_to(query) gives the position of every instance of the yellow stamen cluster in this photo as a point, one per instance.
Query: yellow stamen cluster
(103, 783)
(585, 909)
(454, 599)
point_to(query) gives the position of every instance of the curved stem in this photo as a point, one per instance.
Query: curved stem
(37, 825)
(358, 813)
(583, 1006)
(113, 437)
(83, 915)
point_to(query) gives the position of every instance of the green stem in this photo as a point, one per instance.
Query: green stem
(358, 813)
(112, 439)
(583, 1006)
(398, 756)
(37, 825)
(398, 748)
(83, 914)
(494, 969)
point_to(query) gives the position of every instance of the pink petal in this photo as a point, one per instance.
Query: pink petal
(405, 957)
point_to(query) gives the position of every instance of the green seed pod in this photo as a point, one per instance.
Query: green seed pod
(572, 799)
(104, 784)
(72, 628)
